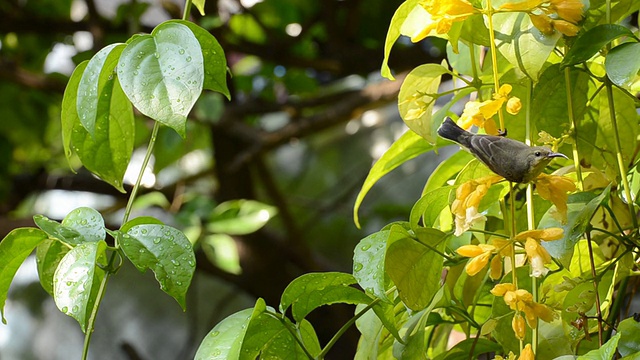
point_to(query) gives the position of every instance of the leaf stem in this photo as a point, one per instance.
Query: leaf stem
(187, 9)
(595, 285)
(346, 327)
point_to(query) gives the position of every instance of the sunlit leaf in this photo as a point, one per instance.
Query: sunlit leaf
(309, 291)
(605, 352)
(167, 252)
(224, 341)
(590, 42)
(394, 33)
(87, 222)
(199, 4)
(77, 280)
(58, 231)
(240, 217)
(163, 73)
(14, 250)
(69, 116)
(429, 207)
(407, 147)
(417, 98)
(368, 263)
(622, 64)
(49, 253)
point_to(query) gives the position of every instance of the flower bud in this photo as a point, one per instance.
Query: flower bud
(518, 326)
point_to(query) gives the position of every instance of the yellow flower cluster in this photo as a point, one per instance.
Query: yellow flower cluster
(538, 256)
(440, 15)
(551, 15)
(468, 196)
(554, 188)
(521, 301)
(481, 114)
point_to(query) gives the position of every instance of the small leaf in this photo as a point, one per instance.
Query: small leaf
(313, 290)
(90, 89)
(58, 231)
(417, 98)
(164, 250)
(240, 217)
(629, 340)
(14, 250)
(49, 253)
(199, 5)
(77, 280)
(224, 341)
(163, 73)
(429, 207)
(368, 263)
(87, 222)
(394, 33)
(447, 169)
(407, 147)
(141, 220)
(622, 64)
(416, 269)
(69, 116)
(592, 41)
(605, 352)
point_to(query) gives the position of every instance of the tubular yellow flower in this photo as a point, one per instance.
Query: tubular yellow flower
(481, 114)
(518, 326)
(554, 188)
(468, 197)
(548, 234)
(479, 255)
(565, 27)
(527, 353)
(440, 15)
(503, 246)
(522, 300)
(495, 269)
(522, 6)
(570, 10)
(501, 289)
(538, 256)
(542, 22)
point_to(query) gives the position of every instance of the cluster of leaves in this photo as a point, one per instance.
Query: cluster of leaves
(577, 93)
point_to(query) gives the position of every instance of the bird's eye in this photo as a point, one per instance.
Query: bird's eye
(537, 153)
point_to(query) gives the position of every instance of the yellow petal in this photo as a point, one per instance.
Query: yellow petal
(542, 22)
(548, 234)
(521, 6)
(518, 326)
(570, 10)
(501, 289)
(514, 105)
(491, 107)
(475, 265)
(503, 91)
(470, 250)
(495, 272)
(565, 27)
(490, 127)
(543, 312)
(527, 353)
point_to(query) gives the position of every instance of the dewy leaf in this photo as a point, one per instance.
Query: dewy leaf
(605, 352)
(14, 250)
(417, 98)
(240, 217)
(629, 340)
(49, 253)
(407, 147)
(87, 222)
(215, 63)
(107, 153)
(313, 290)
(368, 263)
(58, 231)
(592, 41)
(394, 33)
(77, 280)
(622, 64)
(163, 74)
(224, 341)
(521, 43)
(579, 216)
(167, 252)
(416, 269)
(99, 70)
(69, 115)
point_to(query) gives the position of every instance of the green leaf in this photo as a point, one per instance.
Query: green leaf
(87, 222)
(470, 348)
(163, 73)
(58, 231)
(590, 42)
(77, 280)
(629, 340)
(429, 207)
(215, 63)
(69, 115)
(224, 341)
(141, 220)
(622, 64)
(199, 4)
(578, 218)
(394, 33)
(371, 336)
(309, 291)
(407, 147)
(49, 253)
(91, 88)
(222, 251)
(415, 268)
(413, 330)
(605, 352)
(14, 250)
(447, 169)
(167, 252)
(108, 151)
(368, 263)
(521, 43)
(417, 98)
(240, 217)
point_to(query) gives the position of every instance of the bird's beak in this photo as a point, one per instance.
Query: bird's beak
(554, 155)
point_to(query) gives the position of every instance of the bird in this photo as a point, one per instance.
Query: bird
(514, 160)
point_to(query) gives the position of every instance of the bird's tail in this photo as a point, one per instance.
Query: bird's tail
(451, 131)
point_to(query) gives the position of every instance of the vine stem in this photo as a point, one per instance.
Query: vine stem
(494, 57)
(574, 128)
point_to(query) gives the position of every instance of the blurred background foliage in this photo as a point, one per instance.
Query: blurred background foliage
(308, 116)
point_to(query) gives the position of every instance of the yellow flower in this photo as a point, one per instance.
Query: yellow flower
(522, 300)
(548, 234)
(440, 15)
(480, 113)
(514, 105)
(537, 254)
(495, 272)
(518, 326)
(527, 353)
(521, 6)
(542, 22)
(565, 27)
(565, 14)
(468, 197)
(569, 10)
(479, 255)
(554, 188)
